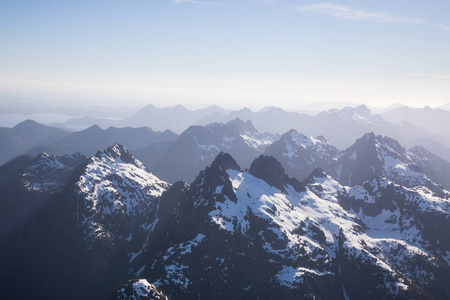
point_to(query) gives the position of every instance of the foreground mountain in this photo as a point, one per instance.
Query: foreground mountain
(262, 234)
(197, 147)
(122, 232)
(92, 224)
(28, 183)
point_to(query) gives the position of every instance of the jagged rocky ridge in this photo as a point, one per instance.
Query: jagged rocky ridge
(230, 234)
(368, 157)
(234, 234)
(197, 147)
(300, 154)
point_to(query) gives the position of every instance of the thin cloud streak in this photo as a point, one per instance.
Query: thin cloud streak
(195, 2)
(344, 12)
(436, 76)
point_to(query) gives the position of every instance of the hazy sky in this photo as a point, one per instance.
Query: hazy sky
(231, 53)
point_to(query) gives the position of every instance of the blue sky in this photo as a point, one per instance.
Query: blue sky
(231, 53)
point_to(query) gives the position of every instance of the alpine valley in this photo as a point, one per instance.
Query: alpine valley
(222, 211)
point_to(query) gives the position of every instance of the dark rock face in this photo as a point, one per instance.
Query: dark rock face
(226, 162)
(13, 168)
(317, 173)
(270, 170)
(28, 183)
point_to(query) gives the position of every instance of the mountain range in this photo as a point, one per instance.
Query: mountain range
(410, 126)
(105, 226)
(341, 127)
(25, 135)
(32, 138)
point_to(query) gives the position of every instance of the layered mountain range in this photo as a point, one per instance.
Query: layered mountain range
(341, 127)
(32, 138)
(302, 221)
(197, 147)
(369, 156)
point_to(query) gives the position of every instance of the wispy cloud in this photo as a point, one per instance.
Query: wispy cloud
(436, 76)
(345, 12)
(195, 2)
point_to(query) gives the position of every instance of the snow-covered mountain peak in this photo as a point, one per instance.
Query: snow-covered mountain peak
(373, 156)
(300, 154)
(243, 130)
(305, 141)
(348, 111)
(295, 236)
(117, 153)
(116, 186)
(368, 137)
(48, 173)
(114, 174)
(237, 124)
(380, 144)
(139, 289)
(353, 115)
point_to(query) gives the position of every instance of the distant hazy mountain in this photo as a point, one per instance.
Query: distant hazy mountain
(197, 147)
(300, 154)
(23, 136)
(317, 107)
(341, 127)
(437, 148)
(90, 140)
(272, 119)
(177, 118)
(82, 123)
(435, 120)
(380, 110)
(153, 153)
(445, 106)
